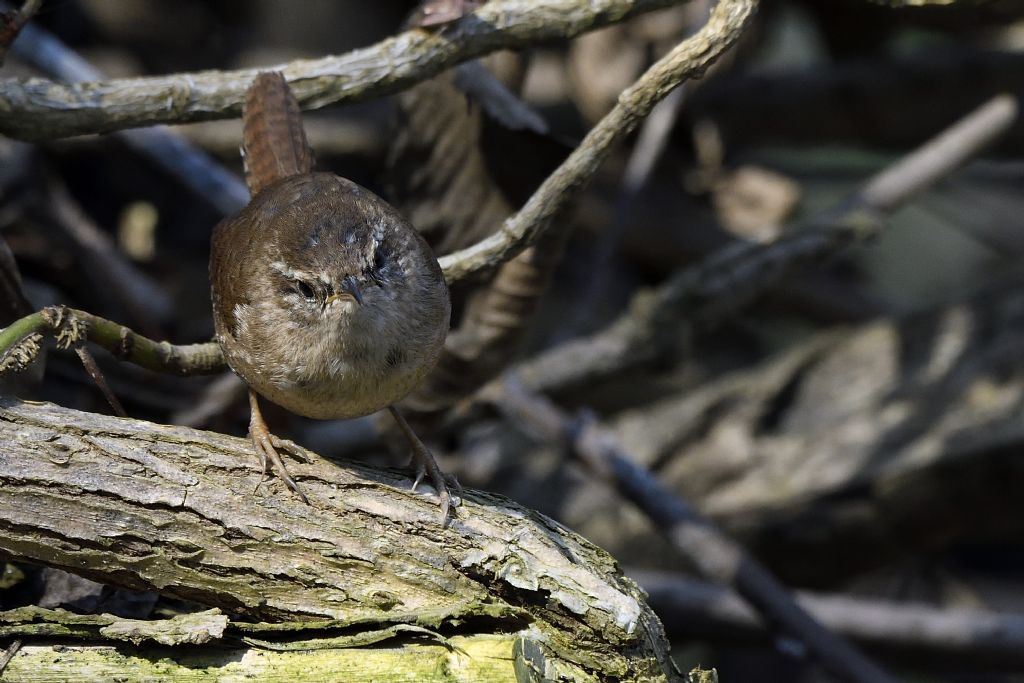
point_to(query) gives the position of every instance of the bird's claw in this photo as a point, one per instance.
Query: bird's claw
(425, 466)
(265, 444)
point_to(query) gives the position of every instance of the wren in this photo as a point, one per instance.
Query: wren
(326, 301)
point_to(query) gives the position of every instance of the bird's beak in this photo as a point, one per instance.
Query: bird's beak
(349, 289)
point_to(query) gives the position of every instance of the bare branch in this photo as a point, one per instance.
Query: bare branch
(688, 60)
(701, 609)
(168, 149)
(9, 653)
(946, 151)
(650, 143)
(716, 556)
(38, 109)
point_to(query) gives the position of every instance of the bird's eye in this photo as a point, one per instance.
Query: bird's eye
(305, 290)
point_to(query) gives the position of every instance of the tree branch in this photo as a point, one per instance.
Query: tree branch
(173, 510)
(41, 109)
(715, 555)
(688, 60)
(983, 637)
(168, 149)
(728, 280)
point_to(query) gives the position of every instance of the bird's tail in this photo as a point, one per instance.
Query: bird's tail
(273, 140)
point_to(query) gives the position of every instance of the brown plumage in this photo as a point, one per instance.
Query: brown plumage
(325, 299)
(274, 142)
(275, 267)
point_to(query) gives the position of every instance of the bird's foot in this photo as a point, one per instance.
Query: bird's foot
(424, 464)
(297, 451)
(266, 444)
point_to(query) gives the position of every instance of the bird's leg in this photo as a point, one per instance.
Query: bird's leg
(264, 444)
(425, 465)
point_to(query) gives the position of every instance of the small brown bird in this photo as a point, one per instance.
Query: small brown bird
(325, 299)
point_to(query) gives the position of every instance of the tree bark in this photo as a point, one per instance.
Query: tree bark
(187, 514)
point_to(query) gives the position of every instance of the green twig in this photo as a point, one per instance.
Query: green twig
(19, 343)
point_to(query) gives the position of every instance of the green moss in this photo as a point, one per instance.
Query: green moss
(482, 659)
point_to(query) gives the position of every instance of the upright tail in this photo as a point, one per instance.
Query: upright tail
(273, 140)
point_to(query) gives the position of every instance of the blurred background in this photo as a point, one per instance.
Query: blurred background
(859, 426)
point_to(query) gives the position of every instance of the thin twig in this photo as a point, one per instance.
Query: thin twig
(688, 60)
(644, 157)
(38, 109)
(700, 296)
(89, 363)
(494, 97)
(650, 144)
(13, 22)
(8, 654)
(494, 324)
(948, 150)
(715, 555)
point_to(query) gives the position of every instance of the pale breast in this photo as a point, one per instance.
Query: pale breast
(335, 373)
